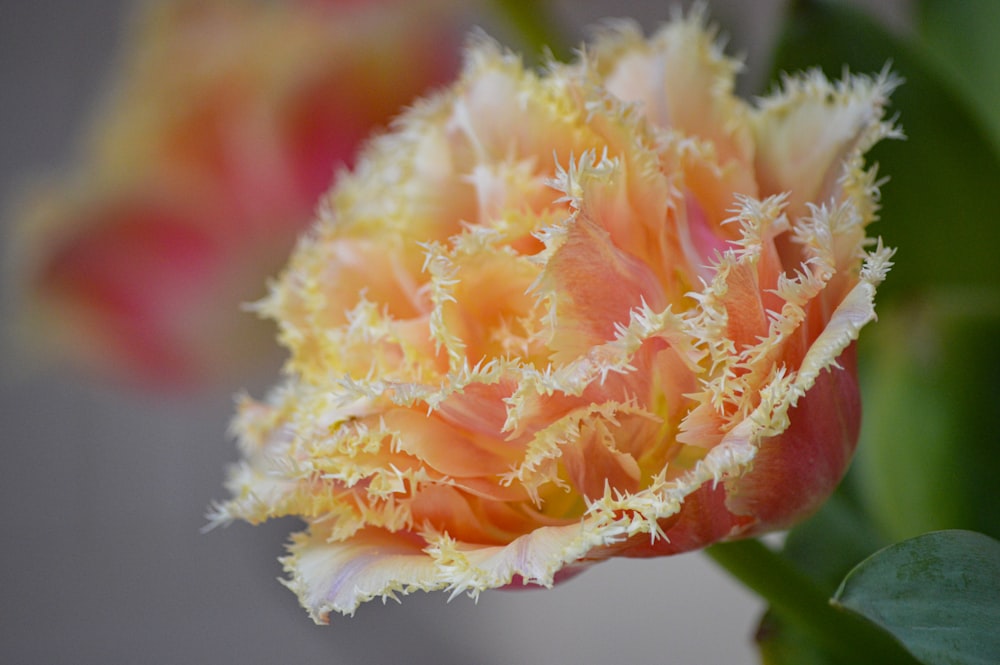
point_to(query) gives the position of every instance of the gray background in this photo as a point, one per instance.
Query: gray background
(103, 491)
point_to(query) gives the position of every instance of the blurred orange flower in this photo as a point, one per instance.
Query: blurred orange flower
(229, 120)
(608, 310)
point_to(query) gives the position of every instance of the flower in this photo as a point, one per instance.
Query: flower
(608, 310)
(227, 123)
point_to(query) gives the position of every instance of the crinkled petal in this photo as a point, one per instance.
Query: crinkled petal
(808, 133)
(373, 563)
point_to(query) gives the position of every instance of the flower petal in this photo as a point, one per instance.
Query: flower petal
(808, 134)
(339, 576)
(595, 286)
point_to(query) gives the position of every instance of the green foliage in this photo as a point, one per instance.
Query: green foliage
(825, 547)
(930, 448)
(782, 643)
(961, 37)
(802, 626)
(936, 593)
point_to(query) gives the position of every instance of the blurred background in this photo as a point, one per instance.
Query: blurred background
(104, 485)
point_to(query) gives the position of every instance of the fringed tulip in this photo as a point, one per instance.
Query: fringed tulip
(606, 310)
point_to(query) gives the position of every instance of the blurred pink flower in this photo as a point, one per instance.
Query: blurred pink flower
(229, 120)
(608, 310)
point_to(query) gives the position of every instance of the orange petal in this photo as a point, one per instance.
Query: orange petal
(595, 286)
(451, 451)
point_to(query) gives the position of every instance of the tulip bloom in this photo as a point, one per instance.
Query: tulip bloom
(229, 121)
(607, 310)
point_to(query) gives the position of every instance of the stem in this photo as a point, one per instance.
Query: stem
(800, 601)
(532, 22)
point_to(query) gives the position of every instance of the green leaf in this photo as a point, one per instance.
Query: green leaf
(804, 607)
(962, 38)
(940, 205)
(938, 594)
(929, 453)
